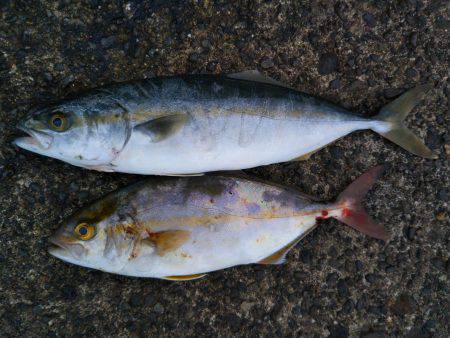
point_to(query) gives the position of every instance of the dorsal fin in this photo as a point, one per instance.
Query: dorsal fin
(185, 277)
(248, 176)
(256, 76)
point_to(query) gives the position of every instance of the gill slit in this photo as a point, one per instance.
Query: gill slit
(126, 117)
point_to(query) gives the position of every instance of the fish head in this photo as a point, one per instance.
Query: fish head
(85, 133)
(96, 237)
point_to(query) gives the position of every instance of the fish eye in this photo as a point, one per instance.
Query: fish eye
(58, 122)
(85, 231)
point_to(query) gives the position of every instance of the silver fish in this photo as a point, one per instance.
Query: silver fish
(183, 228)
(195, 124)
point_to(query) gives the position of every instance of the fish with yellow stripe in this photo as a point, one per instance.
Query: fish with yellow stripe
(185, 125)
(183, 228)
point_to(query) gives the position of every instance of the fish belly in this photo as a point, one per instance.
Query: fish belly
(230, 143)
(221, 246)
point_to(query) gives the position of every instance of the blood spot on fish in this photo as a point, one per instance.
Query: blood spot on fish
(346, 212)
(323, 215)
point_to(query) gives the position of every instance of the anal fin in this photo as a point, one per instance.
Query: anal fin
(185, 175)
(185, 277)
(276, 258)
(307, 156)
(279, 257)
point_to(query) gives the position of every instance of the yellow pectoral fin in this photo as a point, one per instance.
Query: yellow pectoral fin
(166, 241)
(185, 278)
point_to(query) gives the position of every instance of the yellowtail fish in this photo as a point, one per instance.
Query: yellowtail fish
(186, 125)
(183, 228)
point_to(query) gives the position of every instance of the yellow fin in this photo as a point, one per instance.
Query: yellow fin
(185, 175)
(166, 241)
(395, 112)
(279, 257)
(184, 278)
(306, 156)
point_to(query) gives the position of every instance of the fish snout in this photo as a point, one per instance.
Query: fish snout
(62, 246)
(35, 138)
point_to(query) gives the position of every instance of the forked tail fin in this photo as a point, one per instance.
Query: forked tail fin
(353, 214)
(395, 112)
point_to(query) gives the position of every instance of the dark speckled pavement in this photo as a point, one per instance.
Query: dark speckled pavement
(336, 282)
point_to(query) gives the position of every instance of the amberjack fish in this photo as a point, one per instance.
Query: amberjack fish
(183, 228)
(186, 125)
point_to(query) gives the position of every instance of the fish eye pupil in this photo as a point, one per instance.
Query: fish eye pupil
(83, 231)
(57, 122)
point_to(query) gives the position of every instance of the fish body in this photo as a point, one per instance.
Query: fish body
(189, 226)
(194, 124)
(229, 120)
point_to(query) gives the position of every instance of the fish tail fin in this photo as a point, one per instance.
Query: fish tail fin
(353, 214)
(395, 131)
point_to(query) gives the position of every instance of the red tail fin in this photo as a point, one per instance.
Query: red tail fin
(353, 213)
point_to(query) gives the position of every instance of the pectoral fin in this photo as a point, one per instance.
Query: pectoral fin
(167, 241)
(256, 76)
(184, 278)
(163, 127)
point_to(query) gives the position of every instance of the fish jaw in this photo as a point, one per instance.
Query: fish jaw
(71, 253)
(64, 246)
(69, 257)
(37, 141)
(63, 254)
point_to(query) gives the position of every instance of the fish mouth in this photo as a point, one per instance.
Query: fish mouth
(36, 141)
(65, 251)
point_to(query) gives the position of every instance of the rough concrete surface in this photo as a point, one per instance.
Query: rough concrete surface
(336, 282)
